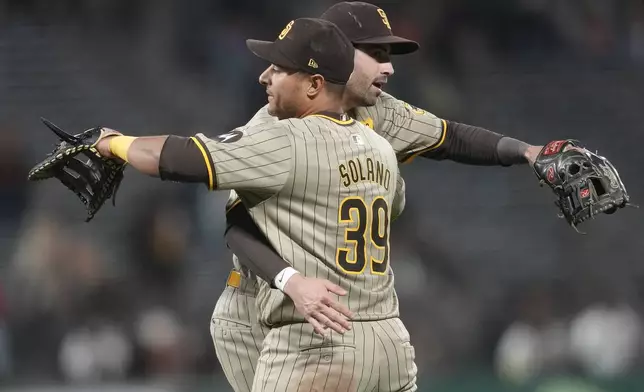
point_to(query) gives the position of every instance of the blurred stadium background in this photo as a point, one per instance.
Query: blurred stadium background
(498, 294)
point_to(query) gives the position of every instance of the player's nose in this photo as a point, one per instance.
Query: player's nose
(387, 69)
(264, 78)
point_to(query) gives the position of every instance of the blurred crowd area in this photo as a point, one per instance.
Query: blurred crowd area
(488, 277)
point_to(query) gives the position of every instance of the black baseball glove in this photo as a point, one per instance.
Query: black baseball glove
(79, 166)
(585, 183)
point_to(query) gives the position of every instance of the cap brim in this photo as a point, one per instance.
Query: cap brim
(266, 50)
(398, 45)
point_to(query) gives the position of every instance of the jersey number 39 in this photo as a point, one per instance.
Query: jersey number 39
(370, 221)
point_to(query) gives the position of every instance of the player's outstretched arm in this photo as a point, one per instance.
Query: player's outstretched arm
(478, 146)
(258, 160)
(142, 153)
(169, 157)
(416, 132)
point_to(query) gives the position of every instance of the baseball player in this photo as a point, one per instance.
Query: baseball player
(323, 189)
(412, 132)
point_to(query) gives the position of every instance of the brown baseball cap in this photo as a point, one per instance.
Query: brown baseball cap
(310, 45)
(365, 23)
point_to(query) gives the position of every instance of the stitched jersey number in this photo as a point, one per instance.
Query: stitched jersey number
(364, 221)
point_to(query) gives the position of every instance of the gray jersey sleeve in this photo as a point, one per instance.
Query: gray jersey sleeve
(256, 159)
(410, 131)
(399, 198)
(261, 118)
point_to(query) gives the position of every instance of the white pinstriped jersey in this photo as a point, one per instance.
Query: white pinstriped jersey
(259, 119)
(410, 131)
(323, 192)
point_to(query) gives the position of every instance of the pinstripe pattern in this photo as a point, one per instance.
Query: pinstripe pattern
(237, 336)
(236, 333)
(259, 162)
(304, 228)
(410, 131)
(260, 119)
(374, 355)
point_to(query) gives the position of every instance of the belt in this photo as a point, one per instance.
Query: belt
(234, 279)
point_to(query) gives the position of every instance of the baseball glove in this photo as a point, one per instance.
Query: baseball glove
(78, 165)
(585, 183)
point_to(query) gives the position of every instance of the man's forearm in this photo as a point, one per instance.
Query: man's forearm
(144, 154)
(251, 247)
(141, 153)
(478, 146)
(172, 158)
(254, 253)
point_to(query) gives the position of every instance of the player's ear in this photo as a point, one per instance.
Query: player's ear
(316, 85)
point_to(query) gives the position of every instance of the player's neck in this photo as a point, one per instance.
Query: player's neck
(349, 102)
(322, 104)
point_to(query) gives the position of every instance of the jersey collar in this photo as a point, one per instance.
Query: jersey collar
(339, 118)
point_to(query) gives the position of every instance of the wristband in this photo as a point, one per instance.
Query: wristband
(283, 277)
(119, 145)
(511, 151)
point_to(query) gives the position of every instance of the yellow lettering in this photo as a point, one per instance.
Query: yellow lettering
(286, 30)
(414, 108)
(385, 20)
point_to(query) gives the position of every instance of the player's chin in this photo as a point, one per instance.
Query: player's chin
(272, 110)
(280, 114)
(371, 96)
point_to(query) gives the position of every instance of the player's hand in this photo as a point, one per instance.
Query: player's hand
(103, 143)
(532, 153)
(314, 299)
